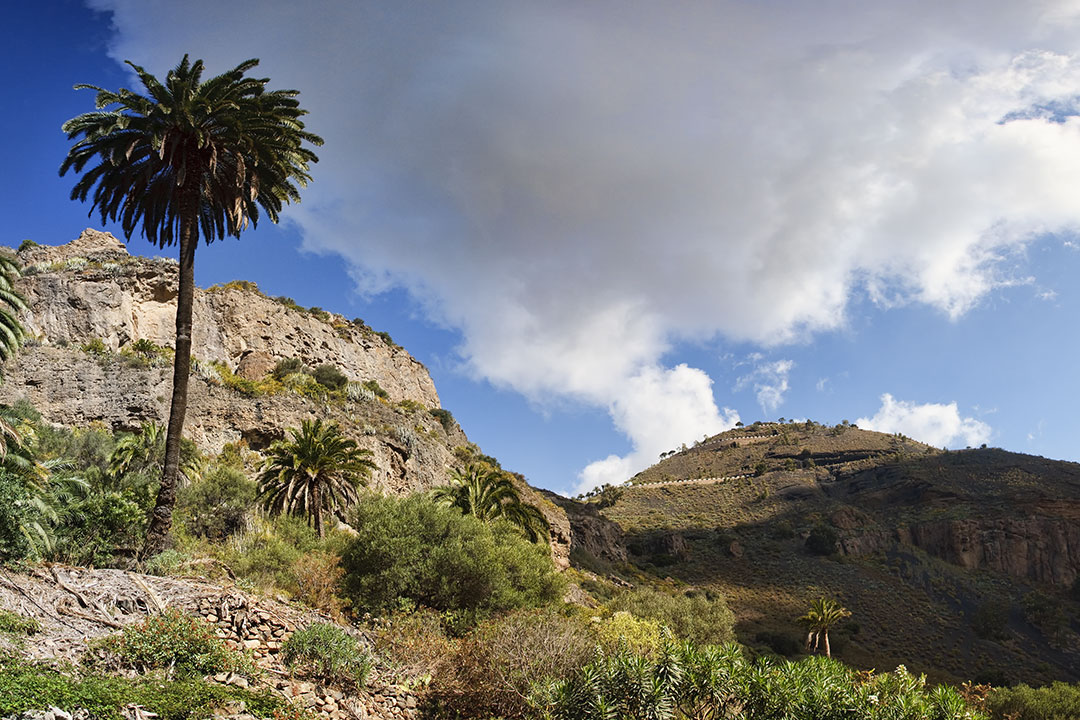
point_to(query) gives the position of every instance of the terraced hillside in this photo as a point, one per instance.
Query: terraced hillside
(959, 564)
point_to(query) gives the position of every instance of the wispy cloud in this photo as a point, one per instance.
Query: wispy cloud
(770, 383)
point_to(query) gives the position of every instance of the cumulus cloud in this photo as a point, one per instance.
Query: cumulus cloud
(661, 409)
(770, 382)
(577, 187)
(932, 423)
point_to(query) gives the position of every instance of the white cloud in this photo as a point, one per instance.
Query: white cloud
(577, 186)
(932, 423)
(660, 410)
(770, 382)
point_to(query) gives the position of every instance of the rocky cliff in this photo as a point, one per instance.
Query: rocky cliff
(90, 302)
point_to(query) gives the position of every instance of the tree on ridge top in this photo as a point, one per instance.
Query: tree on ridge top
(189, 159)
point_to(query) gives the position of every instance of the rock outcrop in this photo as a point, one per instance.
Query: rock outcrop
(92, 288)
(90, 302)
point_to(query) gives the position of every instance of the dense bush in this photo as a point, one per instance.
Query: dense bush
(104, 529)
(822, 540)
(703, 618)
(15, 514)
(327, 653)
(330, 377)
(373, 386)
(1060, 701)
(287, 367)
(215, 506)
(412, 548)
(174, 641)
(493, 668)
(414, 643)
(445, 418)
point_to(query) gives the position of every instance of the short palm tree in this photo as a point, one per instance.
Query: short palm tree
(190, 158)
(317, 471)
(823, 614)
(489, 494)
(144, 452)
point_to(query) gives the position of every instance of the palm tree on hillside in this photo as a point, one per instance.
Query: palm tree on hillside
(317, 471)
(190, 158)
(490, 494)
(144, 452)
(823, 614)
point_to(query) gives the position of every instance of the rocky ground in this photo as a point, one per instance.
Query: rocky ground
(75, 606)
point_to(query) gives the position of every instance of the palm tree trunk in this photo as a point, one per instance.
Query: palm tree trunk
(317, 500)
(828, 654)
(161, 517)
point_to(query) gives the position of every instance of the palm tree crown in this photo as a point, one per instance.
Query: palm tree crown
(190, 158)
(318, 470)
(823, 614)
(207, 153)
(490, 494)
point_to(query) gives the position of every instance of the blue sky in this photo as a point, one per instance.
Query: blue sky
(611, 228)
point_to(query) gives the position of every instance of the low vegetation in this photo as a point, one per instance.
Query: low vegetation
(327, 653)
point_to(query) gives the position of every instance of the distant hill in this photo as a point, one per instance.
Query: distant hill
(960, 564)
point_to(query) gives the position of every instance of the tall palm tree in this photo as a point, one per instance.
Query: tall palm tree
(823, 614)
(318, 470)
(490, 494)
(190, 158)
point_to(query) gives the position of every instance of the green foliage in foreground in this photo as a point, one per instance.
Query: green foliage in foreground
(700, 617)
(416, 550)
(16, 624)
(174, 641)
(25, 686)
(685, 681)
(328, 653)
(1059, 701)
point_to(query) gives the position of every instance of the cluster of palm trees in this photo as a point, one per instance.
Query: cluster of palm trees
(318, 472)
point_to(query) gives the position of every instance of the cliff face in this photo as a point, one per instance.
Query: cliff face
(92, 288)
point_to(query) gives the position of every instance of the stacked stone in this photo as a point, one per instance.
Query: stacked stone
(245, 626)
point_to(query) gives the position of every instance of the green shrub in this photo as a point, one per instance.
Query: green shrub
(95, 346)
(174, 641)
(373, 386)
(1059, 701)
(214, 507)
(16, 624)
(16, 513)
(822, 540)
(416, 549)
(27, 244)
(445, 418)
(410, 406)
(27, 687)
(318, 312)
(492, 669)
(330, 377)
(288, 366)
(102, 528)
(703, 618)
(385, 337)
(328, 653)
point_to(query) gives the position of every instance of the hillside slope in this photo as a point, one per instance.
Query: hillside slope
(959, 564)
